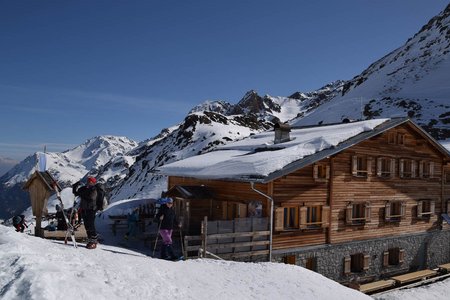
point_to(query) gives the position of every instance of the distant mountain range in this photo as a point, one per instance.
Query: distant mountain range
(412, 80)
(6, 164)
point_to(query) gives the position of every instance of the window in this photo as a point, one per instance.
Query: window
(235, 210)
(425, 208)
(290, 259)
(385, 167)
(291, 217)
(361, 166)
(321, 172)
(447, 177)
(395, 138)
(426, 169)
(407, 168)
(357, 213)
(311, 264)
(394, 211)
(356, 263)
(448, 207)
(303, 217)
(393, 257)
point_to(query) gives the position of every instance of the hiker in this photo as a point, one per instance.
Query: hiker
(167, 218)
(19, 223)
(88, 205)
(132, 220)
(61, 221)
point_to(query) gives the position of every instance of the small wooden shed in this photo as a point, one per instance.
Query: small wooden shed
(40, 186)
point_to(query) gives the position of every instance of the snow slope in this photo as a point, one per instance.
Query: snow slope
(34, 268)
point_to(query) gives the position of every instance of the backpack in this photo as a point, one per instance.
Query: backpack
(101, 201)
(17, 220)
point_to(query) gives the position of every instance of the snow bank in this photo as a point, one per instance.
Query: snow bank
(34, 268)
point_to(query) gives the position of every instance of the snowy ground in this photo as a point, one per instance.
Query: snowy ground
(34, 268)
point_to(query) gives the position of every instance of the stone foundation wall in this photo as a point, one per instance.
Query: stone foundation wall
(425, 250)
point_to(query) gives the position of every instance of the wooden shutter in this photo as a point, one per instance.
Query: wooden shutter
(327, 172)
(366, 262)
(401, 167)
(403, 209)
(325, 216)
(431, 169)
(347, 264)
(401, 256)
(448, 207)
(368, 212)
(303, 217)
(354, 165)
(432, 207)
(379, 162)
(413, 169)
(369, 166)
(387, 211)
(349, 213)
(385, 258)
(419, 208)
(316, 171)
(279, 219)
(421, 165)
(392, 167)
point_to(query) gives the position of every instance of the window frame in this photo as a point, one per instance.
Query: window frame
(382, 162)
(302, 217)
(399, 207)
(412, 167)
(321, 172)
(361, 166)
(363, 215)
(425, 208)
(393, 257)
(426, 169)
(356, 263)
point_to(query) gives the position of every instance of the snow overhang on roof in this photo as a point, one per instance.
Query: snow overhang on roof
(258, 159)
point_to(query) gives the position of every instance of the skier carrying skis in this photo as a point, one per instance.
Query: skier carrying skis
(167, 219)
(19, 223)
(88, 196)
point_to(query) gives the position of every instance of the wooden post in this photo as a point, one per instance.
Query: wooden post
(204, 235)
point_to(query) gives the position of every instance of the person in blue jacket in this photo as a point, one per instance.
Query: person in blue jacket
(132, 220)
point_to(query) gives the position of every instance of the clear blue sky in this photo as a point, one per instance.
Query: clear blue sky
(72, 70)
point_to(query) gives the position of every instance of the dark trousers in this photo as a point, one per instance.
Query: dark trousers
(88, 216)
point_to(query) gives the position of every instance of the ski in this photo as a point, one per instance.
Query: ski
(70, 228)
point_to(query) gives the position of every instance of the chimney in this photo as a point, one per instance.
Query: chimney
(282, 133)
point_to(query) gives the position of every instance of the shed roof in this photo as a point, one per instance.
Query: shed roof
(258, 159)
(45, 178)
(190, 192)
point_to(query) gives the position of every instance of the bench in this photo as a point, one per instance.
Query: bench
(376, 285)
(121, 222)
(80, 234)
(445, 267)
(414, 276)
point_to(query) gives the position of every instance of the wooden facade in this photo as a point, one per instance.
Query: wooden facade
(394, 183)
(41, 186)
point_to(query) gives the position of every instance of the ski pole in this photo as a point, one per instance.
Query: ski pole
(156, 240)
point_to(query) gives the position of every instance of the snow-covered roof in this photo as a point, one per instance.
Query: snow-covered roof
(257, 158)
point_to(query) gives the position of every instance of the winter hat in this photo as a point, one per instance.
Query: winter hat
(92, 180)
(169, 200)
